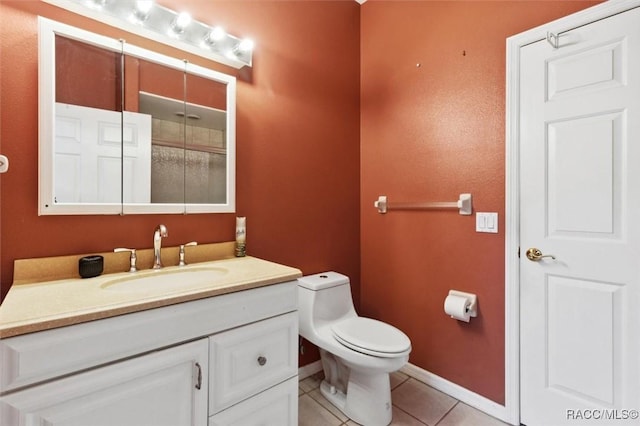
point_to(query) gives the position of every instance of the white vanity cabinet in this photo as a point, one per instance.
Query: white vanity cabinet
(167, 387)
(223, 360)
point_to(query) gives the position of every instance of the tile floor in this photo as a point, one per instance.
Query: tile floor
(414, 404)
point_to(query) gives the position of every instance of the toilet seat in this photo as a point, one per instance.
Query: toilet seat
(371, 337)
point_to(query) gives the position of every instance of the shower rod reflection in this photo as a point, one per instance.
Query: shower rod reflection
(463, 205)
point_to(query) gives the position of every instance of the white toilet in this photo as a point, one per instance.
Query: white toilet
(357, 353)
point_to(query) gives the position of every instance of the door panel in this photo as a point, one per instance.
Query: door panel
(579, 202)
(583, 171)
(582, 71)
(157, 389)
(575, 304)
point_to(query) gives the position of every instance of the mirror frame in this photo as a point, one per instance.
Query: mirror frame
(47, 30)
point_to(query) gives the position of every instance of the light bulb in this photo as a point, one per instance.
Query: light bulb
(181, 22)
(144, 6)
(246, 45)
(215, 35)
(142, 10)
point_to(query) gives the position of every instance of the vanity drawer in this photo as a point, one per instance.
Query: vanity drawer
(250, 359)
(277, 406)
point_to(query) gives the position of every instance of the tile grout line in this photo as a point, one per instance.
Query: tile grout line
(325, 409)
(406, 379)
(447, 413)
(308, 393)
(411, 415)
(342, 422)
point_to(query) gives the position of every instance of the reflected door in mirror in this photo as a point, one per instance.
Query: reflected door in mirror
(88, 122)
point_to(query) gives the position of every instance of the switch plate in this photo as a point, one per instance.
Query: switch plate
(487, 222)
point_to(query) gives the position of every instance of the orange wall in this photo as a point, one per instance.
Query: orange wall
(334, 113)
(297, 140)
(432, 127)
(87, 75)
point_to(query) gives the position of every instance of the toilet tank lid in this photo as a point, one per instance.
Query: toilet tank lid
(323, 280)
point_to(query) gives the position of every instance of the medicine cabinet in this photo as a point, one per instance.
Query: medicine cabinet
(125, 130)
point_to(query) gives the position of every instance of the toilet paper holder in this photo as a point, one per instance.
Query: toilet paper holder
(472, 299)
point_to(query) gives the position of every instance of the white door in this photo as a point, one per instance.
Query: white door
(580, 202)
(89, 148)
(136, 169)
(165, 388)
(87, 155)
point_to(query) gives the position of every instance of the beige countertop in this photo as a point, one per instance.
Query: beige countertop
(45, 305)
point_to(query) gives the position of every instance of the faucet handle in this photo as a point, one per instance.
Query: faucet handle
(132, 259)
(162, 230)
(182, 246)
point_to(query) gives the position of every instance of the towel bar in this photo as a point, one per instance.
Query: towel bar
(463, 205)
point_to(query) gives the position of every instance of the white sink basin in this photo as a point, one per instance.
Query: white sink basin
(166, 280)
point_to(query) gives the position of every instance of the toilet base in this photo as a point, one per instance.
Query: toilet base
(368, 398)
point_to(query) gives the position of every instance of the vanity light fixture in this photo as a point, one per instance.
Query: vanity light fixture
(148, 19)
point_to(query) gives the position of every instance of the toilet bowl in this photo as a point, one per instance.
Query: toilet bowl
(357, 353)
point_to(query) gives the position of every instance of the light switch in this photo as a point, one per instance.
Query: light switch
(487, 222)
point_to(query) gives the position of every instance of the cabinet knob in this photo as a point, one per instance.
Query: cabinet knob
(262, 360)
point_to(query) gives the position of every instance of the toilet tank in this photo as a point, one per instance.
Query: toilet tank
(323, 298)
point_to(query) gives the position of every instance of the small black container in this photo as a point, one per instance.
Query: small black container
(90, 266)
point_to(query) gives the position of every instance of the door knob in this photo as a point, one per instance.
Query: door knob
(535, 255)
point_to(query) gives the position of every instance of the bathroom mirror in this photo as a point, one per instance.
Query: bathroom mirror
(127, 130)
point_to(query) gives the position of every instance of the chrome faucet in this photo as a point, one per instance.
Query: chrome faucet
(160, 232)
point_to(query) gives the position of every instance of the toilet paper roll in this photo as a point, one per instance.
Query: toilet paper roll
(456, 307)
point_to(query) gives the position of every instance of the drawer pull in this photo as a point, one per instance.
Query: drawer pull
(262, 360)
(199, 376)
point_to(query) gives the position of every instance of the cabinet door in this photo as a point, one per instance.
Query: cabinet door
(277, 406)
(167, 387)
(250, 359)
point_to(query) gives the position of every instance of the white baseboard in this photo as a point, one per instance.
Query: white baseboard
(309, 370)
(458, 392)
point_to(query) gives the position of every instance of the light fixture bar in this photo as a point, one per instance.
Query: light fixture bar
(150, 20)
